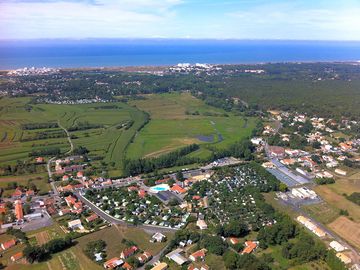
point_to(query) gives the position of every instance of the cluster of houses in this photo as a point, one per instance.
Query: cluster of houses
(68, 165)
(16, 213)
(76, 207)
(180, 258)
(233, 198)
(7, 246)
(119, 262)
(32, 71)
(330, 150)
(134, 204)
(196, 68)
(304, 163)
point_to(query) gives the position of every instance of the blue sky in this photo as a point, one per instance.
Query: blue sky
(215, 19)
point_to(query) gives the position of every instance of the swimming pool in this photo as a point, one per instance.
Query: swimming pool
(158, 188)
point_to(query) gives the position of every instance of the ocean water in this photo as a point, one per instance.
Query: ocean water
(136, 52)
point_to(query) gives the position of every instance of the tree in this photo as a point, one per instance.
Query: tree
(180, 176)
(235, 228)
(214, 244)
(27, 208)
(94, 247)
(34, 253)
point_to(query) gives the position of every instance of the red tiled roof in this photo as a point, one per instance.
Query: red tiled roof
(111, 263)
(162, 181)
(142, 193)
(17, 193)
(92, 217)
(178, 189)
(198, 254)
(8, 244)
(18, 210)
(30, 192)
(78, 205)
(17, 256)
(128, 252)
(250, 246)
(234, 240)
(127, 266)
(70, 200)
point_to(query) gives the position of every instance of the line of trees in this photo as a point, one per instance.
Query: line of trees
(84, 126)
(52, 151)
(32, 126)
(45, 135)
(175, 158)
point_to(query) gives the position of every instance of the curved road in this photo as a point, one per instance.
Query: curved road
(48, 165)
(68, 138)
(114, 220)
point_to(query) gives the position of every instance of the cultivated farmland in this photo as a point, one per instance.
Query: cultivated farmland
(105, 130)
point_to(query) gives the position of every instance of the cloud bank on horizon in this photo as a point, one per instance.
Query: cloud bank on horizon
(215, 19)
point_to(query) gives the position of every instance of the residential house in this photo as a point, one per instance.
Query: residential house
(113, 263)
(176, 256)
(144, 257)
(29, 193)
(75, 224)
(198, 255)
(158, 237)
(17, 194)
(160, 266)
(39, 160)
(250, 246)
(2, 208)
(126, 253)
(201, 224)
(92, 217)
(142, 193)
(198, 267)
(16, 256)
(70, 200)
(177, 189)
(8, 244)
(234, 240)
(18, 210)
(276, 151)
(127, 266)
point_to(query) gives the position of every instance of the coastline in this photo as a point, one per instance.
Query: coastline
(154, 68)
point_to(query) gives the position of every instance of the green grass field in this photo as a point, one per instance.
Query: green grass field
(176, 120)
(108, 141)
(171, 127)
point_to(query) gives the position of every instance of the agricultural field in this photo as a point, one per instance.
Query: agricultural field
(39, 180)
(322, 212)
(348, 229)
(179, 119)
(109, 130)
(333, 195)
(104, 129)
(5, 255)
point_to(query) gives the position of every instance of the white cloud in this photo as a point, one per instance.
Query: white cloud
(127, 18)
(288, 20)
